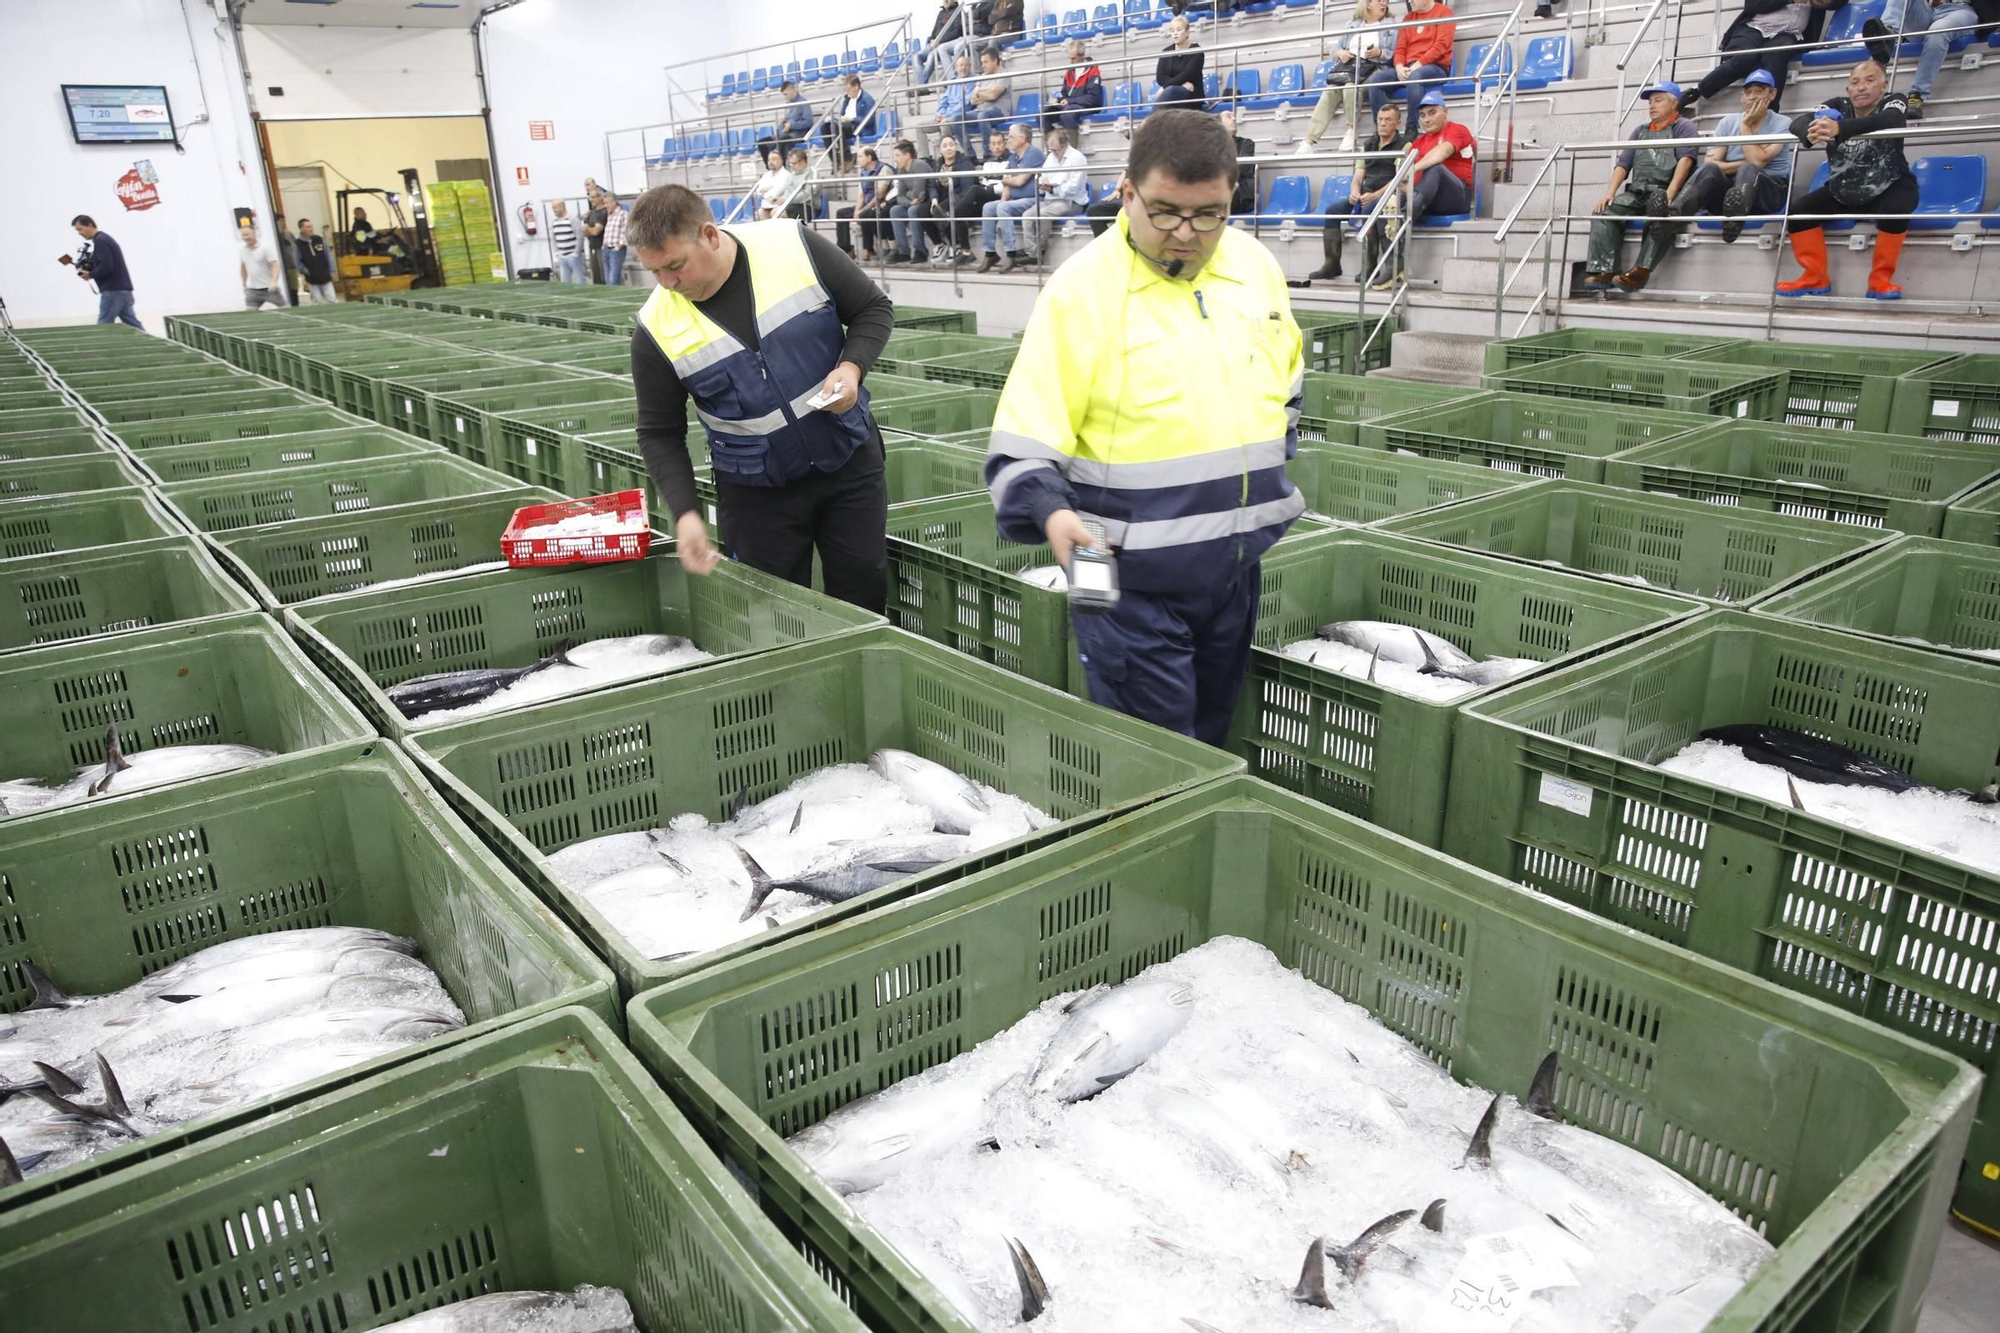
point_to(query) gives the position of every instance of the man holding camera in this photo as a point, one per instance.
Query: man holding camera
(105, 264)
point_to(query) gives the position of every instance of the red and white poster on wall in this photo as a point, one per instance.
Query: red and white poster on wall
(139, 188)
(541, 129)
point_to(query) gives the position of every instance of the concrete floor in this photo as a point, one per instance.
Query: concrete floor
(1964, 1295)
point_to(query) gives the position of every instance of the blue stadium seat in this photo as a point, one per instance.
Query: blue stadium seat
(871, 60)
(1141, 16)
(728, 88)
(1481, 65)
(1123, 100)
(892, 54)
(1031, 33)
(1845, 26)
(1048, 31)
(1949, 190)
(850, 63)
(742, 83)
(1105, 21)
(793, 71)
(829, 67)
(1290, 197)
(1076, 24)
(1211, 87)
(884, 124)
(748, 146)
(810, 74)
(1444, 219)
(1244, 86)
(1287, 88)
(715, 208)
(1819, 178)
(760, 79)
(1259, 7)
(1334, 192)
(1547, 61)
(1300, 4)
(1028, 111)
(1320, 71)
(717, 145)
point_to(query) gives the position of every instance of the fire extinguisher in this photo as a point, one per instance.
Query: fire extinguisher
(528, 218)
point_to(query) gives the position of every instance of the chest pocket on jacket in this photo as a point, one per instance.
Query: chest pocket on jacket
(715, 392)
(1155, 365)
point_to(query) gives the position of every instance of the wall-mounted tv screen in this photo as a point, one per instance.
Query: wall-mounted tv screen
(119, 113)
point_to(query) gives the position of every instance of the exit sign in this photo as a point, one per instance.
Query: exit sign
(541, 129)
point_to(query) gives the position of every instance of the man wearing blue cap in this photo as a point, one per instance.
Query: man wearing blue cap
(1743, 178)
(1646, 182)
(1756, 41)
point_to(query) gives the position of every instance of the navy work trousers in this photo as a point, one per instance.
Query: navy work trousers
(1176, 659)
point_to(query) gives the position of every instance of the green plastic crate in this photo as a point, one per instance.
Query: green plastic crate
(1940, 595)
(1352, 485)
(141, 435)
(941, 409)
(1570, 804)
(463, 422)
(361, 388)
(1534, 348)
(1958, 400)
(236, 680)
(539, 780)
(39, 420)
(198, 405)
(1335, 405)
(1716, 555)
(984, 368)
(45, 524)
(1836, 388)
(63, 473)
(278, 453)
(196, 377)
(909, 349)
(1737, 1083)
(80, 439)
(550, 435)
(1975, 518)
(931, 317)
(1520, 432)
(1332, 340)
(328, 490)
(567, 1164)
(346, 835)
(30, 400)
(1844, 476)
(406, 400)
(1675, 386)
(368, 641)
(283, 563)
(1376, 753)
(101, 590)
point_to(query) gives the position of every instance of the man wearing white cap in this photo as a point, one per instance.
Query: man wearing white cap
(1743, 178)
(1645, 183)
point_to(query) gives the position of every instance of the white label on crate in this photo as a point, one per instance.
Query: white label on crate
(458, 424)
(409, 405)
(1743, 408)
(531, 448)
(1565, 795)
(1944, 407)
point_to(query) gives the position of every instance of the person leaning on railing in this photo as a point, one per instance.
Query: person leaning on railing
(1646, 182)
(1864, 176)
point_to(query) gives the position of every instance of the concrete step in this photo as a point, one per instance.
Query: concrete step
(1445, 357)
(1424, 374)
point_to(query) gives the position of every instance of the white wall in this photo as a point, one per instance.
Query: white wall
(183, 252)
(332, 72)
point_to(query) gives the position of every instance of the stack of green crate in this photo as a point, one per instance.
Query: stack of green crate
(448, 234)
(482, 233)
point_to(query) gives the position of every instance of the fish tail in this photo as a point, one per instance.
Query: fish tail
(1034, 1291)
(48, 995)
(115, 761)
(1541, 1099)
(10, 1170)
(1311, 1288)
(1480, 1151)
(1350, 1257)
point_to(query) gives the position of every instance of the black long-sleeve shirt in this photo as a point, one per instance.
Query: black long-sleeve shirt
(865, 310)
(1861, 169)
(1180, 67)
(107, 265)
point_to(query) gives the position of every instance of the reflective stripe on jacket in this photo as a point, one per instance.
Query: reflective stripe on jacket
(1164, 409)
(760, 431)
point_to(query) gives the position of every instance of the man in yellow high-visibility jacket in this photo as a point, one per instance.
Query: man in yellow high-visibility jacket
(1157, 391)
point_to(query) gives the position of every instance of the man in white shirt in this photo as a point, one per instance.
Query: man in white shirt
(1064, 191)
(262, 283)
(567, 242)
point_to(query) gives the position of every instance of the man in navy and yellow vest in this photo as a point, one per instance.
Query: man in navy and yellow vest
(768, 329)
(1157, 392)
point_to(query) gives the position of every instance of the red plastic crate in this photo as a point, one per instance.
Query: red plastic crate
(630, 542)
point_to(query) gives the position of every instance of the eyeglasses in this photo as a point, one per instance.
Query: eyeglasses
(1169, 220)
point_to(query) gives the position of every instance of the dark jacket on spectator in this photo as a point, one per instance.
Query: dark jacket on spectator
(107, 265)
(1245, 198)
(313, 258)
(1001, 17)
(1179, 67)
(1815, 17)
(949, 25)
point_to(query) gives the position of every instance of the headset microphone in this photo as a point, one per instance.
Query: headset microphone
(1171, 267)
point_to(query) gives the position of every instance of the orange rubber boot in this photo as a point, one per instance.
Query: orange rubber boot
(1881, 278)
(1809, 248)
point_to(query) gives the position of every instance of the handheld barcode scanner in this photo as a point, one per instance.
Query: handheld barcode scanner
(1093, 573)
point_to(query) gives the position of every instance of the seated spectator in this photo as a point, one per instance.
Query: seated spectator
(795, 119)
(992, 100)
(1423, 57)
(1063, 192)
(1082, 93)
(955, 104)
(1364, 195)
(1938, 21)
(1107, 208)
(772, 187)
(999, 22)
(947, 40)
(847, 116)
(1243, 200)
(1179, 72)
(907, 206)
(805, 203)
(945, 225)
(1645, 182)
(867, 208)
(1361, 51)
(1018, 193)
(968, 204)
(1865, 176)
(1763, 24)
(1743, 178)
(1440, 177)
